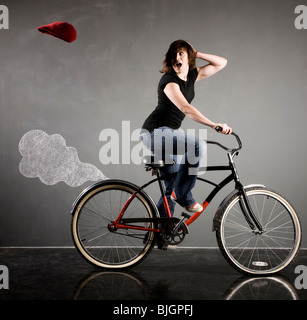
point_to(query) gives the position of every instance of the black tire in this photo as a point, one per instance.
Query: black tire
(259, 254)
(99, 205)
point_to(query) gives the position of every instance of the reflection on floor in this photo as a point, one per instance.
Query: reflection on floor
(181, 274)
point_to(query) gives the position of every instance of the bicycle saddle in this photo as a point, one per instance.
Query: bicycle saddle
(153, 161)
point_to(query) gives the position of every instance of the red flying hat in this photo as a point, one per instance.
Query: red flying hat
(62, 30)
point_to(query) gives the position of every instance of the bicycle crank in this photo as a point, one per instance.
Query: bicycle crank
(173, 234)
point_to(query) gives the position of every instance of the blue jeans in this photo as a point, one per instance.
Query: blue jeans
(171, 145)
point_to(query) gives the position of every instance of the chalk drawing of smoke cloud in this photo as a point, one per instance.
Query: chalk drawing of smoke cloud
(48, 158)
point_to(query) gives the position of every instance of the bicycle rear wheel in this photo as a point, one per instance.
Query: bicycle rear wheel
(253, 253)
(95, 209)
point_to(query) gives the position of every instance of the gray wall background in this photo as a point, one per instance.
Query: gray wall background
(110, 74)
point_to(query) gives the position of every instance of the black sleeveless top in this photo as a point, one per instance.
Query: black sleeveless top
(166, 113)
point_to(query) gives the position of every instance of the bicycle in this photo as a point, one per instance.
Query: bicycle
(116, 224)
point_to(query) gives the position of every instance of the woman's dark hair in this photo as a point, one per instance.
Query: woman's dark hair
(170, 57)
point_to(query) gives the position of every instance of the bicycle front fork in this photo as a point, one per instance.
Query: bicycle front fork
(248, 213)
(244, 203)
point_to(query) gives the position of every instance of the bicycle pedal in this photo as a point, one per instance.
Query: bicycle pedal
(162, 245)
(185, 215)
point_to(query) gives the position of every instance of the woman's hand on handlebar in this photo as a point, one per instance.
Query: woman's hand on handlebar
(223, 128)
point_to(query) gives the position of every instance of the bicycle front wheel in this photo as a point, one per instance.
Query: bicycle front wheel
(96, 209)
(255, 253)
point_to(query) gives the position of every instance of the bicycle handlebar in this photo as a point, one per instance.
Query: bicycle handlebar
(219, 129)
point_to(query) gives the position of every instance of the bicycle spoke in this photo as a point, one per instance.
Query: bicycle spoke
(260, 252)
(104, 246)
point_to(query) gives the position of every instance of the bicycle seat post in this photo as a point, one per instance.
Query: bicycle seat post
(154, 164)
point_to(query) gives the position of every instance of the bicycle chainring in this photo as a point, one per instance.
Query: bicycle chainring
(169, 236)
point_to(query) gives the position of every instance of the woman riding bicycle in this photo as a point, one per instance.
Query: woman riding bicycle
(160, 132)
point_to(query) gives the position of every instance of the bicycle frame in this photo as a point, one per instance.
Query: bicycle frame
(233, 176)
(110, 231)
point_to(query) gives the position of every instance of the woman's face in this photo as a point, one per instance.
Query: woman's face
(181, 63)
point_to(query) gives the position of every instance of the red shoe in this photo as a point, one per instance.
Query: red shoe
(173, 196)
(196, 207)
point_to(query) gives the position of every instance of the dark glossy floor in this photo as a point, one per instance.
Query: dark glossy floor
(175, 274)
